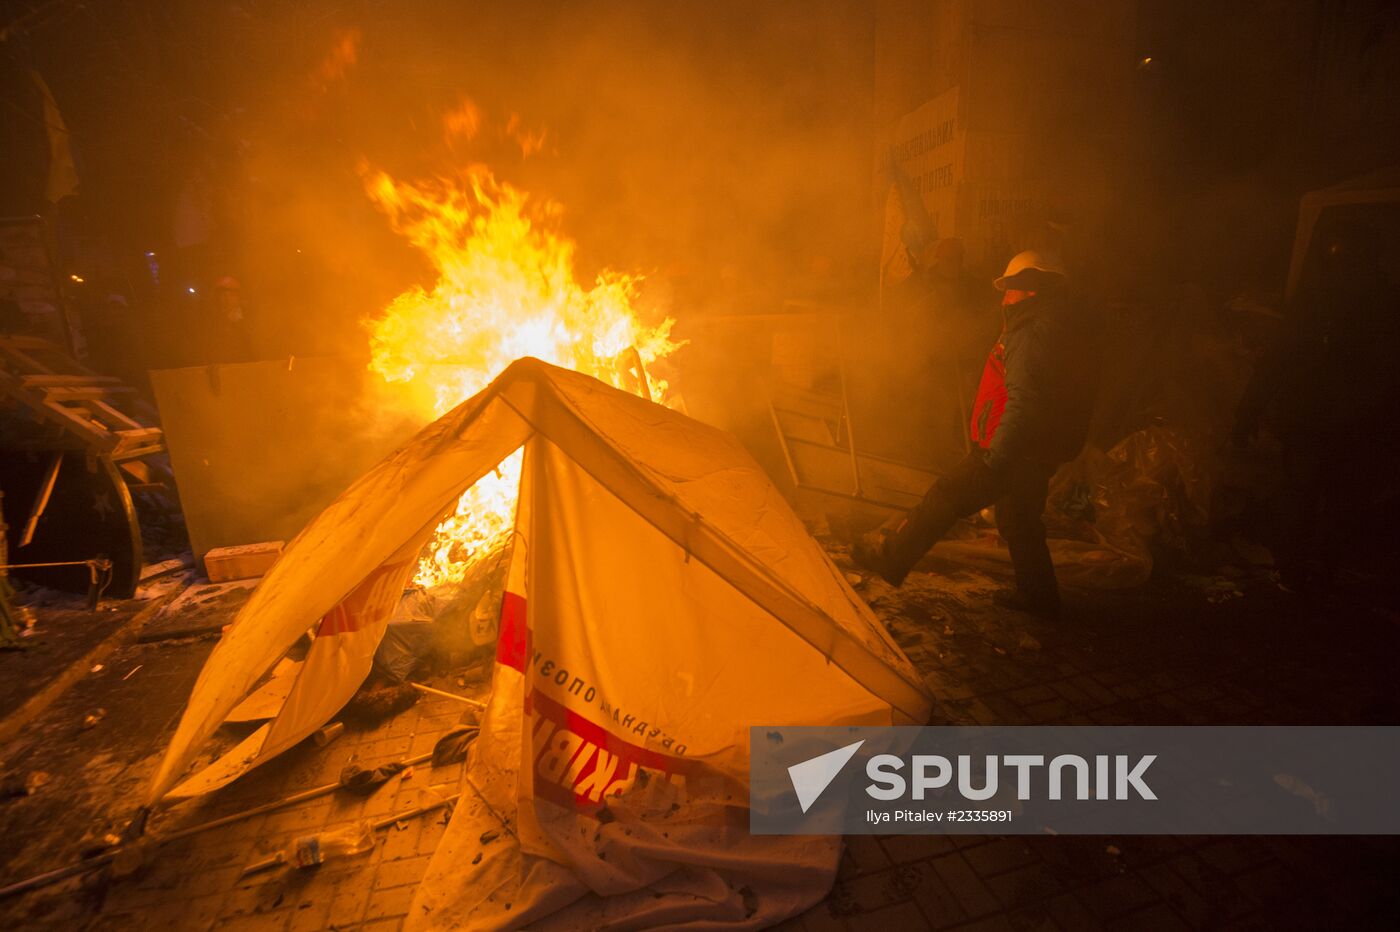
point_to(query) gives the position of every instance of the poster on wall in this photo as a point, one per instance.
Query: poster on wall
(919, 165)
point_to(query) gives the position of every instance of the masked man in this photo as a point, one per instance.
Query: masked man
(1031, 414)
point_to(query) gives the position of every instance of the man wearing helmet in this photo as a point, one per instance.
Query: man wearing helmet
(1031, 414)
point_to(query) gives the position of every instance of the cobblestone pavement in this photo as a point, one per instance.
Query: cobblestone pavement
(1156, 656)
(1164, 654)
(96, 775)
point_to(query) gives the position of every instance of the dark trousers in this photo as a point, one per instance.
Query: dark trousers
(1018, 491)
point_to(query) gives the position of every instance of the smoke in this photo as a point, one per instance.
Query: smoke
(719, 149)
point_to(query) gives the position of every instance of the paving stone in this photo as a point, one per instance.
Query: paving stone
(1078, 699)
(1233, 855)
(1110, 899)
(821, 919)
(1002, 854)
(971, 893)
(867, 854)
(1024, 885)
(396, 873)
(1071, 915)
(900, 916)
(869, 892)
(937, 904)
(253, 922)
(310, 916)
(389, 903)
(904, 848)
(348, 903)
(298, 820)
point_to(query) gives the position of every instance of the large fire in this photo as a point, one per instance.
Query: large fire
(505, 289)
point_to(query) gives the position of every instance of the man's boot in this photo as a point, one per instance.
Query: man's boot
(1037, 591)
(1047, 607)
(893, 556)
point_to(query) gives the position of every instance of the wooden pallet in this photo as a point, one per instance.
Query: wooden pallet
(80, 404)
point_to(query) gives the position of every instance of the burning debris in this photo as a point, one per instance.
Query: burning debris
(505, 289)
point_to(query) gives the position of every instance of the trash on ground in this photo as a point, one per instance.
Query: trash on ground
(364, 781)
(328, 733)
(28, 785)
(371, 706)
(452, 747)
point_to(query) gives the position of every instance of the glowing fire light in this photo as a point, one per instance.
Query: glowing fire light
(505, 289)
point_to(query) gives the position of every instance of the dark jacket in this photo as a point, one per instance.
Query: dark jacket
(1048, 361)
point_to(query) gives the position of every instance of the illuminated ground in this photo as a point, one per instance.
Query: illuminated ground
(1163, 654)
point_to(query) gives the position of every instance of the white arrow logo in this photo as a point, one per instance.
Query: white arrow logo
(813, 776)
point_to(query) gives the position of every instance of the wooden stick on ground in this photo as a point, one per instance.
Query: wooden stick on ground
(447, 695)
(88, 864)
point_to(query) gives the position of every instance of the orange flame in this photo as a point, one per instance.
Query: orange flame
(505, 289)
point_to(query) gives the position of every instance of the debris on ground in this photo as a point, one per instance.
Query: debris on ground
(373, 705)
(452, 747)
(328, 733)
(93, 717)
(365, 780)
(246, 561)
(313, 850)
(1216, 589)
(27, 785)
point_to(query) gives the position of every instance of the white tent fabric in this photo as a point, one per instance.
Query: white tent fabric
(627, 679)
(663, 597)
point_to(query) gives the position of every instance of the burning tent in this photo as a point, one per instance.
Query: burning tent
(661, 598)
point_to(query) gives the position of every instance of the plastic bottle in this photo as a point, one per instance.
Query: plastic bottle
(310, 850)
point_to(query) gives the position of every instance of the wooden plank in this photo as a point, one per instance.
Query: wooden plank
(79, 379)
(41, 500)
(137, 471)
(134, 443)
(26, 361)
(110, 415)
(98, 437)
(826, 469)
(66, 394)
(94, 435)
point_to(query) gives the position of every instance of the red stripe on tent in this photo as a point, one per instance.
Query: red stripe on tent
(377, 593)
(577, 764)
(339, 620)
(513, 644)
(596, 734)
